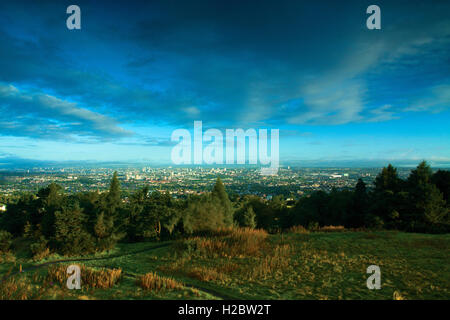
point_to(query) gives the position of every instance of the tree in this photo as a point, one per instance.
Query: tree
(50, 200)
(203, 213)
(151, 215)
(387, 198)
(387, 179)
(441, 179)
(91, 204)
(5, 241)
(249, 218)
(70, 235)
(220, 195)
(358, 209)
(427, 210)
(106, 237)
(107, 227)
(17, 214)
(113, 198)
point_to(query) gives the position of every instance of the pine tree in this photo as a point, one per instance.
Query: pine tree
(387, 180)
(113, 197)
(219, 193)
(70, 235)
(427, 210)
(105, 232)
(107, 224)
(358, 210)
(388, 196)
(249, 218)
(51, 199)
(441, 179)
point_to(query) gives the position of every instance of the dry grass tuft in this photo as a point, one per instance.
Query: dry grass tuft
(15, 289)
(398, 296)
(39, 255)
(153, 282)
(298, 229)
(205, 274)
(103, 278)
(332, 229)
(278, 260)
(229, 243)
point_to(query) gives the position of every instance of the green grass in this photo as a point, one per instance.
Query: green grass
(317, 265)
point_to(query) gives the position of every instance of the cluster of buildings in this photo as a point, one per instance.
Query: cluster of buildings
(182, 181)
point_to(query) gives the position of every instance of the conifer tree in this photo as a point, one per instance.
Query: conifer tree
(220, 195)
(113, 197)
(427, 210)
(70, 235)
(441, 179)
(387, 179)
(107, 223)
(249, 218)
(358, 209)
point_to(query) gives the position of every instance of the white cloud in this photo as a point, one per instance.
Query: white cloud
(38, 115)
(435, 99)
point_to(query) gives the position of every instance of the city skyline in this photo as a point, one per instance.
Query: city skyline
(115, 90)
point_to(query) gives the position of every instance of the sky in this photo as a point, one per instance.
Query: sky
(136, 71)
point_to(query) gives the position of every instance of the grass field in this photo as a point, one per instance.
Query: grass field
(244, 264)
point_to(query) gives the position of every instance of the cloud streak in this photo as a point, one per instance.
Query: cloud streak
(41, 115)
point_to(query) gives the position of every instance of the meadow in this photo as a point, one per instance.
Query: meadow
(242, 263)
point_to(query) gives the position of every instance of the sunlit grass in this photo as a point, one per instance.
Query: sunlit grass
(250, 264)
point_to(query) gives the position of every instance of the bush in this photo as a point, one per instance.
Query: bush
(5, 241)
(313, 226)
(374, 222)
(39, 249)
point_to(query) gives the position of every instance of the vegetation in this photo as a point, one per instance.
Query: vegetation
(314, 265)
(212, 247)
(152, 281)
(90, 278)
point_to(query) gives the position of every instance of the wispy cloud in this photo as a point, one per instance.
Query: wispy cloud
(41, 115)
(435, 99)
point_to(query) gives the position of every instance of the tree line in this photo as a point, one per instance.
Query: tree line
(88, 222)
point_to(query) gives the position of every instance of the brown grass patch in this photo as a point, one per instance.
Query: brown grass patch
(332, 229)
(103, 278)
(228, 243)
(298, 229)
(277, 261)
(15, 289)
(205, 274)
(39, 255)
(153, 282)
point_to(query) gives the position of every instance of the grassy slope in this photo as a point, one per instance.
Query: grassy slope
(314, 266)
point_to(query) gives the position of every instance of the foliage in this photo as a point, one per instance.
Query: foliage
(5, 241)
(84, 223)
(70, 235)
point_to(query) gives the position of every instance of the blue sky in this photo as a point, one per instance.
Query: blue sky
(116, 89)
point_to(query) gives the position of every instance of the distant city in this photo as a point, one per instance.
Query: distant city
(292, 182)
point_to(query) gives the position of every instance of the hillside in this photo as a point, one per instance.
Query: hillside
(243, 264)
